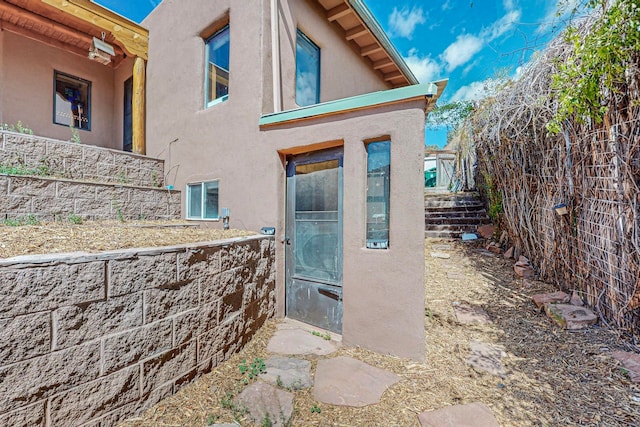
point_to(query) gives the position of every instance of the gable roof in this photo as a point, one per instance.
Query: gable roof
(363, 31)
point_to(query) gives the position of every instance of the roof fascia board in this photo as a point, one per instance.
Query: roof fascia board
(370, 21)
(360, 102)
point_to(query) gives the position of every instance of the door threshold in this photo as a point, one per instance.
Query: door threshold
(289, 323)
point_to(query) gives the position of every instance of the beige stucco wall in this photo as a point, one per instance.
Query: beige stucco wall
(383, 290)
(27, 77)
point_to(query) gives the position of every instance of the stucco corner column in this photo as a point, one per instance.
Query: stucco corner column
(138, 107)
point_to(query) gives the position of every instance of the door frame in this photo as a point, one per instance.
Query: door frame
(331, 289)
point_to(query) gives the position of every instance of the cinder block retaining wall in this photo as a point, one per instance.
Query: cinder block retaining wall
(79, 161)
(90, 339)
(55, 199)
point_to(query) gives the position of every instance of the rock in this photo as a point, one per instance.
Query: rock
(523, 259)
(541, 299)
(575, 299)
(570, 316)
(469, 314)
(287, 372)
(294, 340)
(486, 358)
(631, 362)
(264, 401)
(509, 253)
(486, 231)
(441, 247)
(474, 414)
(524, 271)
(484, 252)
(494, 248)
(440, 255)
(349, 382)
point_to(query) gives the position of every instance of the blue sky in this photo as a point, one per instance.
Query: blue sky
(466, 41)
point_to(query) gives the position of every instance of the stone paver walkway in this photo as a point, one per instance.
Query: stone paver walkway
(472, 415)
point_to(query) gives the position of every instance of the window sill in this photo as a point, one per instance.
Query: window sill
(203, 219)
(217, 101)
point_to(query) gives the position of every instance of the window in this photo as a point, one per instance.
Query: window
(71, 101)
(202, 200)
(307, 71)
(378, 189)
(217, 72)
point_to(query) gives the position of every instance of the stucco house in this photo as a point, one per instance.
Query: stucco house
(294, 115)
(301, 115)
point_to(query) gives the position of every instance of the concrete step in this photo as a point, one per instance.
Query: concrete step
(456, 220)
(480, 213)
(467, 228)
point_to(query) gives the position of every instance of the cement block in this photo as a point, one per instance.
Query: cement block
(93, 155)
(107, 393)
(140, 273)
(30, 186)
(46, 205)
(32, 415)
(63, 150)
(83, 322)
(225, 283)
(93, 207)
(240, 254)
(194, 322)
(42, 377)
(71, 190)
(132, 346)
(170, 299)
(24, 337)
(571, 316)
(28, 290)
(168, 366)
(15, 205)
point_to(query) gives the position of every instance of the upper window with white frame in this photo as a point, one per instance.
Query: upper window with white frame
(202, 200)
(217, 67)
(307, 71)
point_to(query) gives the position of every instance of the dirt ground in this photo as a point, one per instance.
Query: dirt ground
(97, 236)
(555, 377)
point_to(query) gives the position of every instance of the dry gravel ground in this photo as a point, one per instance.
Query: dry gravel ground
(97, 236)
(555, 377)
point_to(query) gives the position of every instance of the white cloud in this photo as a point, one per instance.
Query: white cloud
(426, 69)
(501, 26)
(556, 13)
(461, 51)
(447, 5)
(466, 46)
(508, 5)
(403, 22)
(470, 92)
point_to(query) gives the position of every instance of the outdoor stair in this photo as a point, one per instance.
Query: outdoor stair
(450, 215)
(45, 179)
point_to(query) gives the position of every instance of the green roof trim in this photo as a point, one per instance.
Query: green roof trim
(372, 23)
(368, 100)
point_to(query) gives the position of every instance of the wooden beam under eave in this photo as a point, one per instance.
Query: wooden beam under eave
(392, 76)
(356, 32)
(133, 38)
(39, 37)
(382, 63)
(338, 12)
(138, 107)
(372, 48)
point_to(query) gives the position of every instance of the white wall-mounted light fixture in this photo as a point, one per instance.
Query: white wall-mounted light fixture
(561, 209)
(101, 51)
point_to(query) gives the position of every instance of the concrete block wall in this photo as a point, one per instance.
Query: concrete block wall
(53, 199)
(78, 161)
(91, 339)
